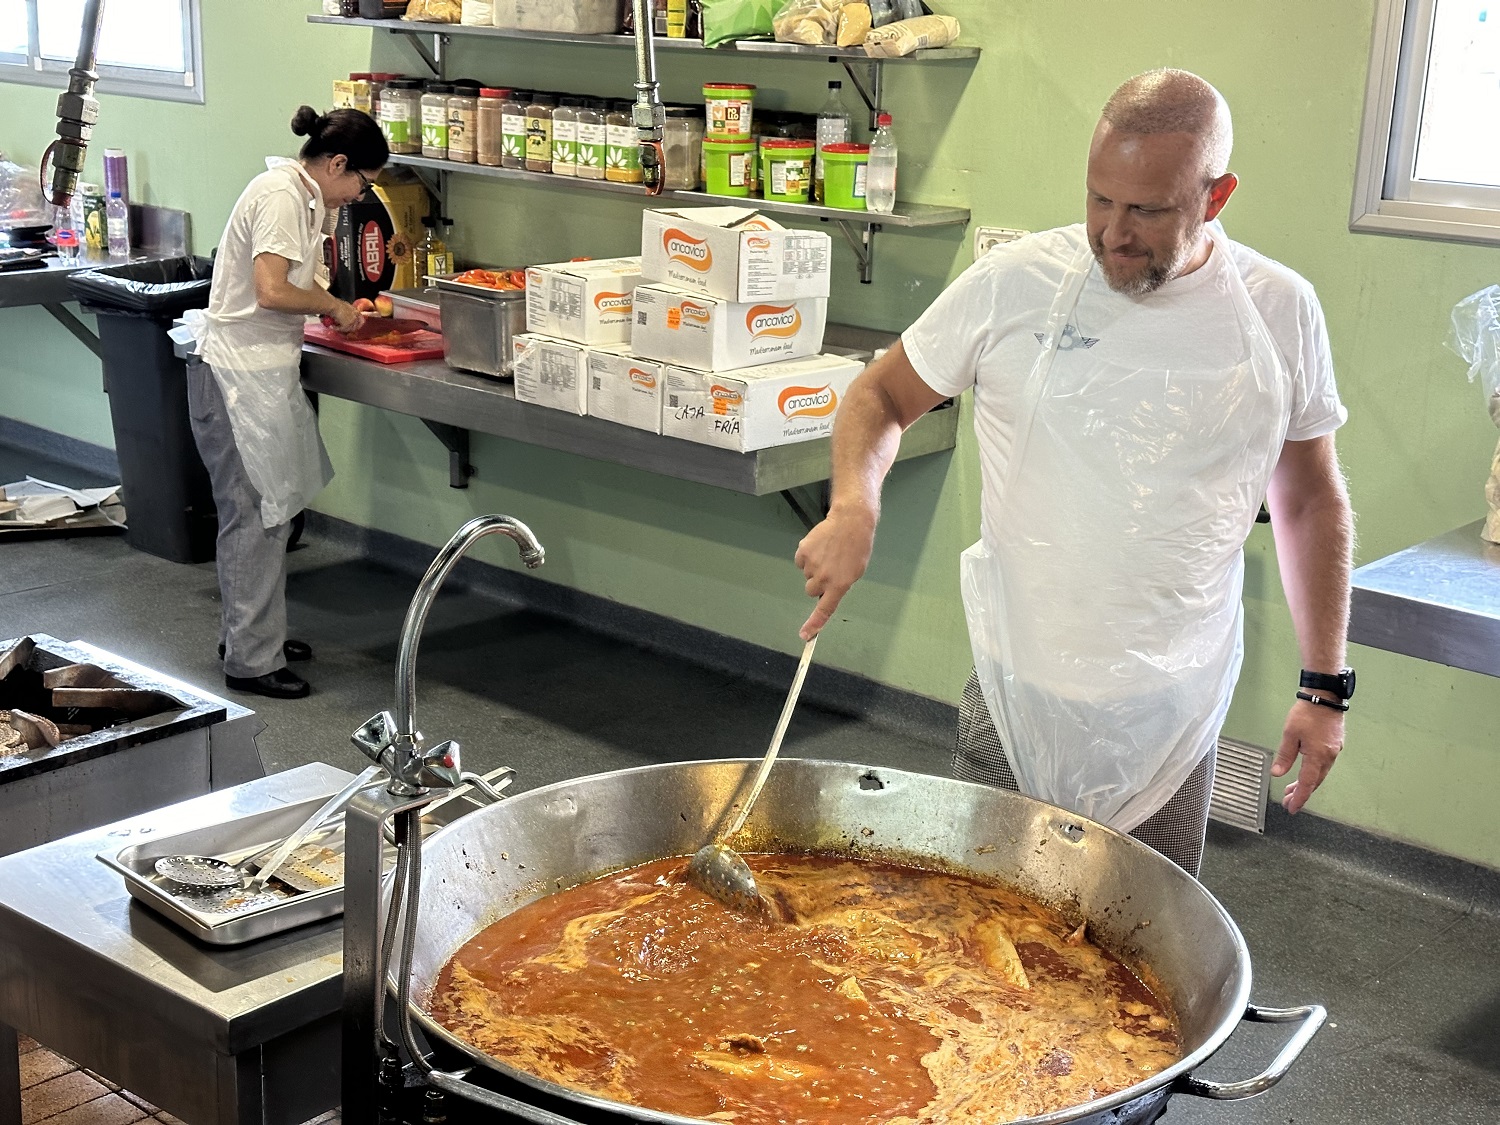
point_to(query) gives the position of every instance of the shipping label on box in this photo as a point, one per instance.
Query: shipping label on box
(716, 335)
(734, 253)
(759, 407)
(588, 302)
(624, 388)
(551, 373)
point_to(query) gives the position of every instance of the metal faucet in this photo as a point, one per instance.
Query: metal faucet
(393, 740)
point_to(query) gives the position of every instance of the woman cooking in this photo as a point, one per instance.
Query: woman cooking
(252, 421)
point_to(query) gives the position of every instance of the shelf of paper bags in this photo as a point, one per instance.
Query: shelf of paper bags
(738, 46)
(457, 403)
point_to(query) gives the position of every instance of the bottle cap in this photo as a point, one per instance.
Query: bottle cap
(114, 195)
(883, 120)
(835, 84)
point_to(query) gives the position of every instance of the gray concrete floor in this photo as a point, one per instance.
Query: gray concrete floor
(1399, 946)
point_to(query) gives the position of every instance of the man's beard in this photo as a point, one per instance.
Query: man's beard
(1156, 274)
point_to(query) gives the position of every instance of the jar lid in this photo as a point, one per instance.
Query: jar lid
(404, 84)
(846, 149)
(570, 102)
(359, 76)
(520, 96)
(722, 140)
(544, 99)
(438, 88)
(493, 92)
(787, 142)
(466, 83)
(727, 87)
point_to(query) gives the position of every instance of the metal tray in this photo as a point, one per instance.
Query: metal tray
(447, 281)
(220, 921)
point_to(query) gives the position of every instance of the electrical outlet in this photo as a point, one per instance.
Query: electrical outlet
(987, 238)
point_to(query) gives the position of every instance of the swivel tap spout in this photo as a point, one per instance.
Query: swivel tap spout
(393, 740)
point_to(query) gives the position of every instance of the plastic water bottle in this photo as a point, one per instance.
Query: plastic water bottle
(833, 129)
(117, 221)
(64, 236)
(880, 175)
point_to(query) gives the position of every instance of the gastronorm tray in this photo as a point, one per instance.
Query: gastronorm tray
(449, 282)
(210, 917)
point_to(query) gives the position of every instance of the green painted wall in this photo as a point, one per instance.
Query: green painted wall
(1007, 137)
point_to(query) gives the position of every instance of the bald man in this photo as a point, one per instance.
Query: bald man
(1142, 383)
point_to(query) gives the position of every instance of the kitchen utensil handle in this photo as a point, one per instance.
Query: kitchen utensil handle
(1311, 1017)
(455, 1084)
(311, 824)
(786, 718)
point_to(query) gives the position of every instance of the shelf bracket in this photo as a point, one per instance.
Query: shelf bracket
(63, 316)
(456, 440)
(868, 77)
(810, 518)
(863, 245)
(433, 58)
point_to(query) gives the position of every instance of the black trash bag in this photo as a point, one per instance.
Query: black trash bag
(160, 289)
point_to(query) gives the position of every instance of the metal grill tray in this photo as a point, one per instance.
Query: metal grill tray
(207, 918)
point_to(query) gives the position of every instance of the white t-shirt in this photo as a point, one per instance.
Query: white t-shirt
(986, 329)
(280, 212)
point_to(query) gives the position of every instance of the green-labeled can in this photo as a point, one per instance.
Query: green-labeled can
(786, 168)
(728, 165)
(844, 168)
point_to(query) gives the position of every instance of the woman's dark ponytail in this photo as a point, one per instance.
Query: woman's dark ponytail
(342, 132)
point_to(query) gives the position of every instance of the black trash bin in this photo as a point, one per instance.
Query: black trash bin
(169, 504)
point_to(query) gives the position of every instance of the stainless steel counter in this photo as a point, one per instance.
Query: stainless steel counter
(1439, 601)
(215, 1036)
(437, 393)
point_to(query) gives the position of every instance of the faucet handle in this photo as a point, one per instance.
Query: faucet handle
(376, 736)
(440, 767)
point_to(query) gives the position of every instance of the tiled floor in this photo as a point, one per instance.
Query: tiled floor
(1400, 946)
(56, 1091)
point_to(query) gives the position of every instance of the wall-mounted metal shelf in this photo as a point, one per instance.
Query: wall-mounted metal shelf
(859, 227)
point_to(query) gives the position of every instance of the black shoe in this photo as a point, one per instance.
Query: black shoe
(292, 650)
(280, 684)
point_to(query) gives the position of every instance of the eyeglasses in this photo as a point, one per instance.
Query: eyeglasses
(365, 183)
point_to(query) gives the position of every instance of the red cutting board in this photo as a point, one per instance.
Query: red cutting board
(419, 345)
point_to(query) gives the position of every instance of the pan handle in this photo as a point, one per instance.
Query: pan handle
(455, 1084)
(1311, 1017)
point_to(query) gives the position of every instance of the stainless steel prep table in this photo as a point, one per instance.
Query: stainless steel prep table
(1439, 600)
(48, 287)
(453, 403)
(216, 1036)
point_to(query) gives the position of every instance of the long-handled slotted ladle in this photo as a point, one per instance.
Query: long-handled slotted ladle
(717, 869)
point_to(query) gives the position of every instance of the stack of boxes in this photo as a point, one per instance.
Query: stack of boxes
(716, 337)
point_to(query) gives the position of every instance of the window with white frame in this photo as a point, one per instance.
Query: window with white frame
(1429, 156)
(147, 48)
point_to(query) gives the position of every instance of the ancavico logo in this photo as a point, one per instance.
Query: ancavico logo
(691, 252)
(615, 302)
(773, 320)
(758, 242)
(643, 379)
(724, 398)
(808, 402)
(698, 314)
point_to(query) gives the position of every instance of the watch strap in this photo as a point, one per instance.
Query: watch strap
(1340, 684)
(1337, 705)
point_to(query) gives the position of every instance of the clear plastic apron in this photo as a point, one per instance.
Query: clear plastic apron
(259, 371)
(1103, 599)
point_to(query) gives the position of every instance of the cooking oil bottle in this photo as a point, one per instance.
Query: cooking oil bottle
(433, 258)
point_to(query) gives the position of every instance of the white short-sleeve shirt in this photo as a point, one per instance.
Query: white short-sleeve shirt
(986, 330)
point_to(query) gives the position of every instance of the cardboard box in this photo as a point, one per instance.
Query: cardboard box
(589, 302)
(362, 265)
(712, 334)
(624, 388)
(759, 407)
(733, 253)
(407, 203)
(551, 373)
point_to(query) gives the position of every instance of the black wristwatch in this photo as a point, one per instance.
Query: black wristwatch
(1340, 685)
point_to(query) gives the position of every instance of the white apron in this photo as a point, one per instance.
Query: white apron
(258, 366)
(1103, 598)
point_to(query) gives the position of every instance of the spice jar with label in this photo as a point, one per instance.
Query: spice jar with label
(463, 124)
(682, 148)
(435, 97)
(490, 102)
(401, 115)
(593, 139)
(539, 132)
(622, 153)
(513, 129)
(565, 137)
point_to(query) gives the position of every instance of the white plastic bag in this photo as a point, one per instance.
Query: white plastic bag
(1476, 338)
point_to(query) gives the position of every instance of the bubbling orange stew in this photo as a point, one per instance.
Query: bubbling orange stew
(897, 995)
